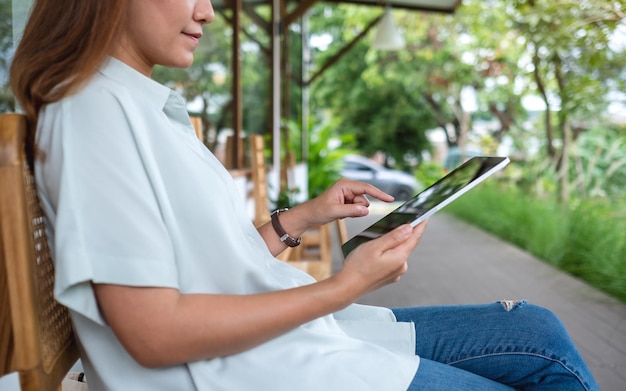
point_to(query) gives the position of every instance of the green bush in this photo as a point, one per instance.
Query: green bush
(327, 149)
(597, 245)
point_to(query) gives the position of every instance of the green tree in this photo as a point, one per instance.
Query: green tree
(364, 89)
(572, 66)
(389, 99)
(490, 46)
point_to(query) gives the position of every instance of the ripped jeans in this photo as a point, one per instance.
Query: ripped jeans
(509, 345)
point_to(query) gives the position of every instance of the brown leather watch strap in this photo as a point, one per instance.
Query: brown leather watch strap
(284, 236)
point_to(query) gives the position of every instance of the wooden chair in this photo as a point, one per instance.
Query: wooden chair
(316, 242)
(259, 179)
(314, 254)
(196, 121)
(342, 232)
(36, 336)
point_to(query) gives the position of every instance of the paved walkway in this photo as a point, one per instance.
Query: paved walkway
(457, 263)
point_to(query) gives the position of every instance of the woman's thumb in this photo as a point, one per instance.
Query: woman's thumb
(397, 236)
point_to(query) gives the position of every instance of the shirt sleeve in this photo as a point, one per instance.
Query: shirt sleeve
(105, 219)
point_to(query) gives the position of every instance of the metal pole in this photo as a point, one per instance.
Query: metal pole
(276, 93)
(237, 153)
(306, 63)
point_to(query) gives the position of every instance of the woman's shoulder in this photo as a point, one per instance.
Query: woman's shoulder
(98, 108)
(96, 96)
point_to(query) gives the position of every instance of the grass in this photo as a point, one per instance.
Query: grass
(587, 239)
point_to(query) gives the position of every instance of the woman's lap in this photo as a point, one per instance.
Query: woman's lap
(513, 343)
(435, 376)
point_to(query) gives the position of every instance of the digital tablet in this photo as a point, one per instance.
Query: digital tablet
(433, 198)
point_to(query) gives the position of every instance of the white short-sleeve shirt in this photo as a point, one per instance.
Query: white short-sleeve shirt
(133, 198)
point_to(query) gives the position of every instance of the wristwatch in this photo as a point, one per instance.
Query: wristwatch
(284, 236)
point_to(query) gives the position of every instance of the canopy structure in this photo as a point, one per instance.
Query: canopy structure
(417, 5)
(284, 13)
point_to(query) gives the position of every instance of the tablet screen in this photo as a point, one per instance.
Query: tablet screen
(433, 198)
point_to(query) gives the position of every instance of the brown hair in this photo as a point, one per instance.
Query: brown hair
(63, 45)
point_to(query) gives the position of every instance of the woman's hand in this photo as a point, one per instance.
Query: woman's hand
(383, 260)
(345, 198)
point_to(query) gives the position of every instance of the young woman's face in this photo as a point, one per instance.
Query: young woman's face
(162, 32)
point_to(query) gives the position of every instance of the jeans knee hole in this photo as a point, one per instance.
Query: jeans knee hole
(510, 305)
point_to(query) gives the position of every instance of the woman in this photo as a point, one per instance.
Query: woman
(169, 285)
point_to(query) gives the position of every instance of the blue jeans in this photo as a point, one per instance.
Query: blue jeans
(499, 346)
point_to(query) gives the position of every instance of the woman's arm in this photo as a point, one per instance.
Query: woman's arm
(160, 326)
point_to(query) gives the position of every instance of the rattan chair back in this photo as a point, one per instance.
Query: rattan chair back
(36, 337)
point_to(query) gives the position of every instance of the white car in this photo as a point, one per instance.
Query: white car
(398, 183)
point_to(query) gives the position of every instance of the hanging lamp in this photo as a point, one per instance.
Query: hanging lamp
(388, 36)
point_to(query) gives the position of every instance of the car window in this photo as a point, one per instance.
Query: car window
(357, 166)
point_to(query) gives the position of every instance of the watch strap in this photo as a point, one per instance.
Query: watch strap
(280, 231)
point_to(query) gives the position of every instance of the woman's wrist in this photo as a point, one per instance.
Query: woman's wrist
(292, 221)
(283, 235)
